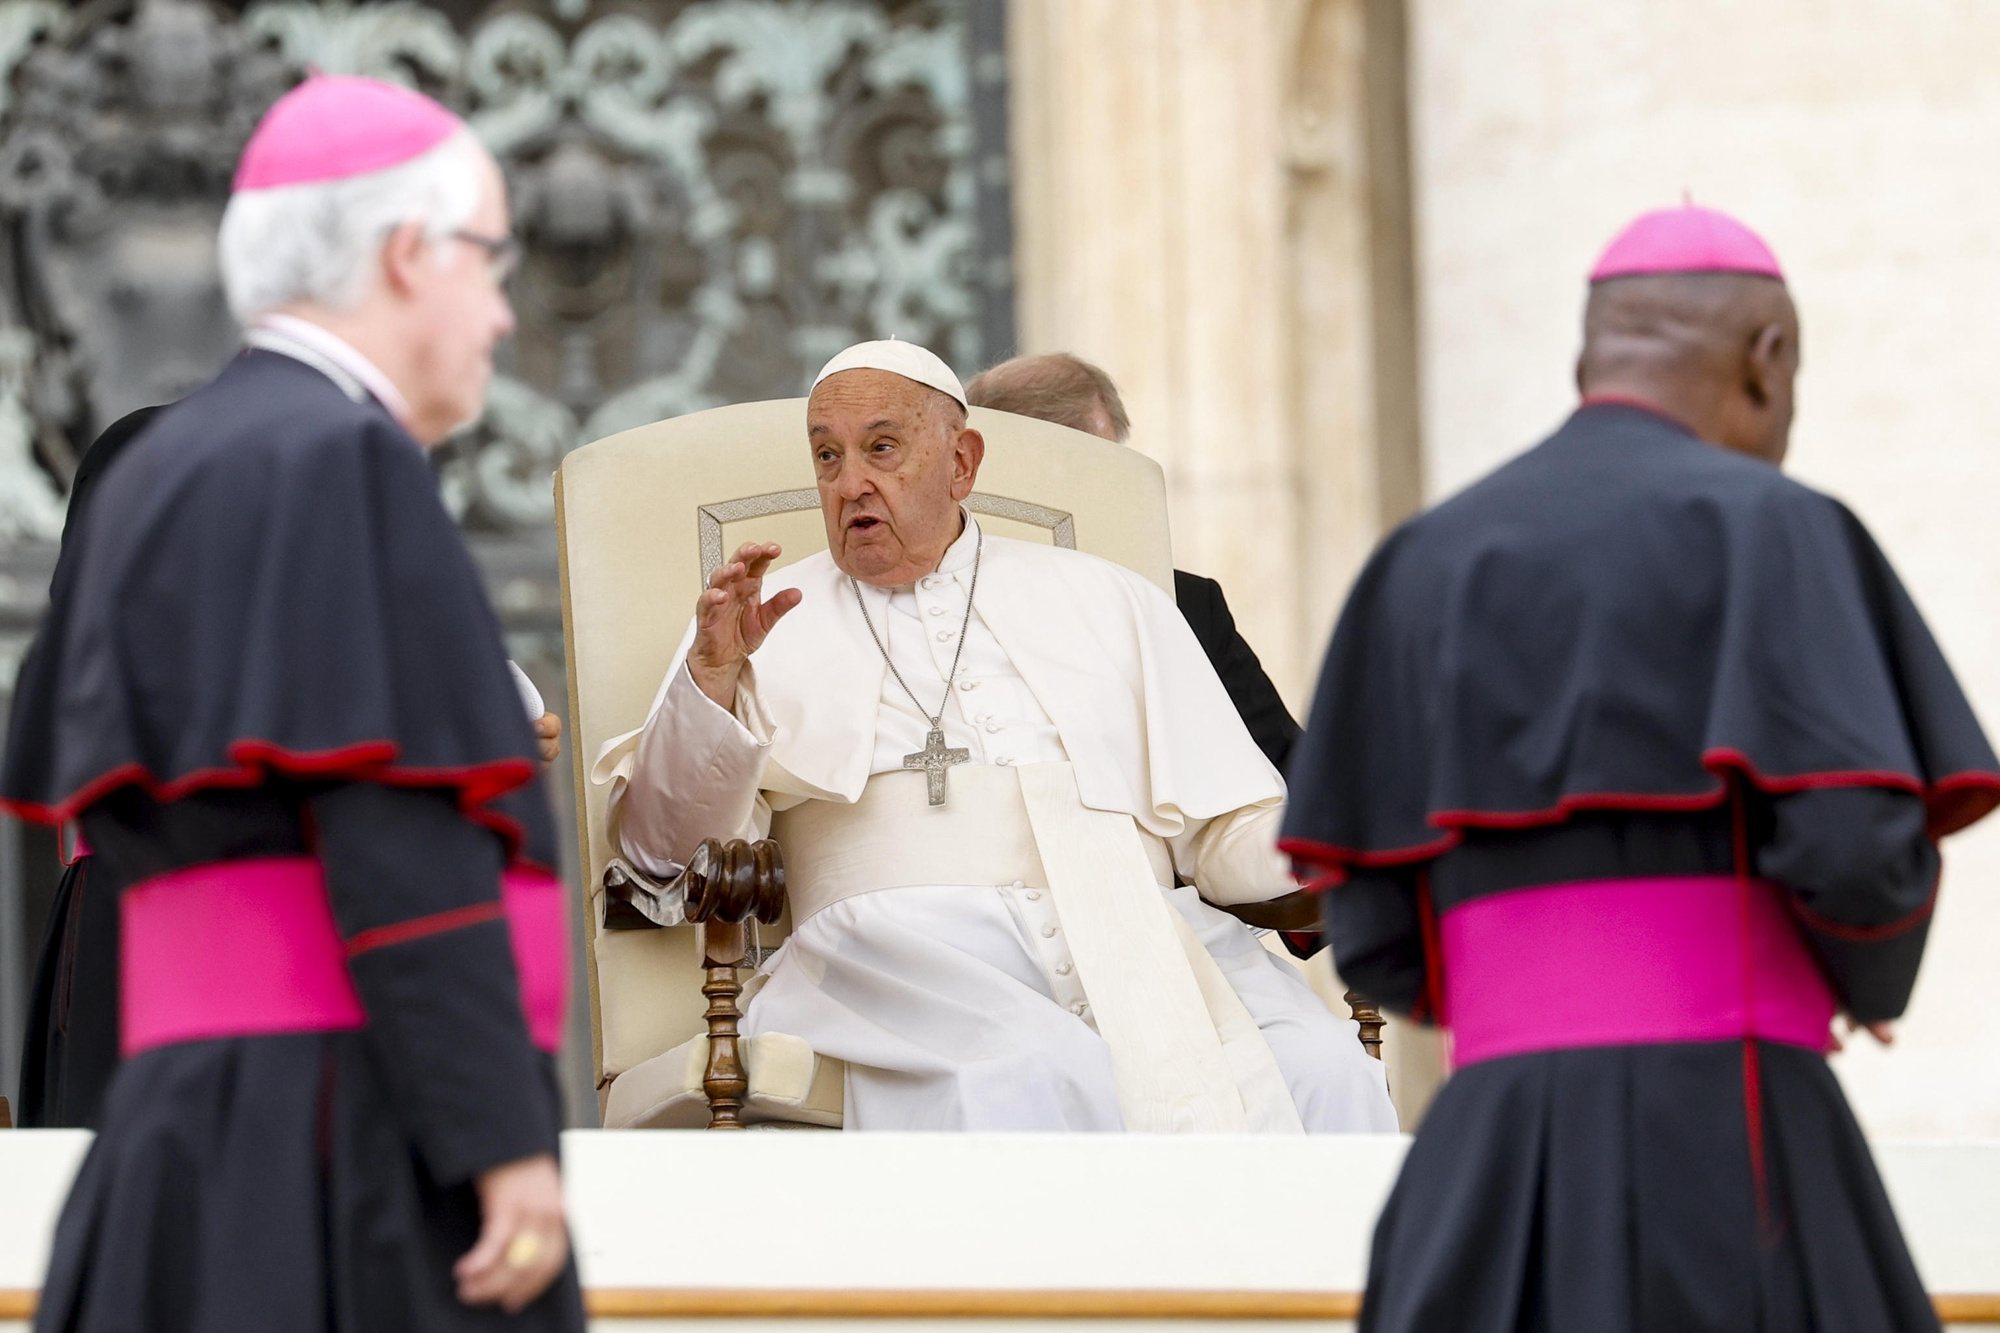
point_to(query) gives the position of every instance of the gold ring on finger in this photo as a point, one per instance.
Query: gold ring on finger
(523, 1250)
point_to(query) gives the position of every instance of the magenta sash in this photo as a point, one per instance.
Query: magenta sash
(1629, 962)
(249, 948)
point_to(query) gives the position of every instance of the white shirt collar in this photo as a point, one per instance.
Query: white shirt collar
(956, 563)
(333, 348)
(958, 555)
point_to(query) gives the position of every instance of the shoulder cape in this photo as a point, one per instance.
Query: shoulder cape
(1147, 725)
(269, 586)
(35, 687)
(1622, 618)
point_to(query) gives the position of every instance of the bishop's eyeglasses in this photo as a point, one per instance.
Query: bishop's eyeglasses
(503, 253)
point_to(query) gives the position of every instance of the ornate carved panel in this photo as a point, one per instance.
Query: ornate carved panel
(714, 196)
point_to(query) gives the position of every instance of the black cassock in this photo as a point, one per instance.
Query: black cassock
(1631, 663)
(1257, 700)
(70, 1046)
(275, 653)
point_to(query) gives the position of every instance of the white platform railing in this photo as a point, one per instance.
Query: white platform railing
(922, 1228)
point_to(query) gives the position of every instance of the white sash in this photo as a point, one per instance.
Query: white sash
(1187, 1056)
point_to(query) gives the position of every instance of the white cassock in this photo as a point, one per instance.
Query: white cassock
(1024, 956)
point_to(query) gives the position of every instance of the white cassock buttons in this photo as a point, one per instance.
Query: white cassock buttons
(1078, 1008)
(944, 636)
(1048, 932)
(1063, 969)
(1034, 895)
(1020, 884)
(937, 610)
(1004, 759)
(968, 685)
(931, 580)
(992, 728)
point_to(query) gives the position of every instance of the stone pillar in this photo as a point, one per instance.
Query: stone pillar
(1211, 201)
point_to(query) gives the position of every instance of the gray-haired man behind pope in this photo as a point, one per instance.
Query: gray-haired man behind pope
(989, 762)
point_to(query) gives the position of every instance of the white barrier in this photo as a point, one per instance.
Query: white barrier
(969, 1227)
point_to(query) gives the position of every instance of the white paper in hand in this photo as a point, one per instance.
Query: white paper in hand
(531, 698)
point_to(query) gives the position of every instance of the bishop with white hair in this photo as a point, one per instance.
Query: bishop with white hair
(1011, 792)
(281, 717)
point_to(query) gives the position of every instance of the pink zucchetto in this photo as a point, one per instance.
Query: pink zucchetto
(335, 126)
(1686, 240)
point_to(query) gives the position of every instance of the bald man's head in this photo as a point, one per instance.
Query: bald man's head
(1719, 351)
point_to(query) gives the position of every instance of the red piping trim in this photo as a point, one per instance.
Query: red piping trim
(1753, 1082)
(1427, 925)
(1309, 940)
(1839, 930)
(256, 760)
(1335, 862)
(1320, 883)
(1569, 805)
(402, 932)
(1983, 789)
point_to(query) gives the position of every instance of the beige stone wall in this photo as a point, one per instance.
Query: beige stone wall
(1861, 138)
(1197, 211)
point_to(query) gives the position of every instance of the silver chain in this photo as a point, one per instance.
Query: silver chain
(937, 723)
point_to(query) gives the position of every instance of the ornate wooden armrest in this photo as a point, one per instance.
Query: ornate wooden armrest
(727, 884)
(1368, 1017)
(1294, 911)
(724, 885)
(732, 881)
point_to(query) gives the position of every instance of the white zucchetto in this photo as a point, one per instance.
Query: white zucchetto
(898, 358)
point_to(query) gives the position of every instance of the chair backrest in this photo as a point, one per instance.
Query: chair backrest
(641, 519)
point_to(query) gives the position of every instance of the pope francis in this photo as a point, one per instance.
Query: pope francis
(1009, 788)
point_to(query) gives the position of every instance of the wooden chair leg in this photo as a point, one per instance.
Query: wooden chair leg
(723, 948)
(1368, 1017)
(6, 1115)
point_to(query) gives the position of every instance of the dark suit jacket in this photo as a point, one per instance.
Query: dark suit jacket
(70, 1048)
(1255, 697)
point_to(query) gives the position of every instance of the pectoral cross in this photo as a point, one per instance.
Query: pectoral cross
(934, 759)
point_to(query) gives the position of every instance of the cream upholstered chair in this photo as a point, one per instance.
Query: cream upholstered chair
(642, 518)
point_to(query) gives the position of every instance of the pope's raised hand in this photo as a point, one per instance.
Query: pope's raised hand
(731, 620)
